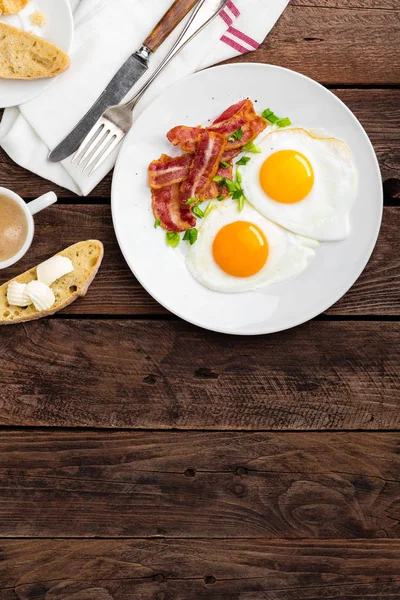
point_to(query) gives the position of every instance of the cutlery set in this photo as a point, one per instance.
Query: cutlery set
(107, 122)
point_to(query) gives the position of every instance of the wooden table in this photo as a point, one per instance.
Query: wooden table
(142, 458)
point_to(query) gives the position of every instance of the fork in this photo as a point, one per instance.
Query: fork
(117, 120)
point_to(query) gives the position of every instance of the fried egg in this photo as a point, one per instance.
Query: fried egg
(242, 251)
(305, 183)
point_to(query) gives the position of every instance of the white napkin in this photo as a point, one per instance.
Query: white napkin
(106, 33)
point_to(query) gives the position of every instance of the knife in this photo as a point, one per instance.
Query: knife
(125, 78)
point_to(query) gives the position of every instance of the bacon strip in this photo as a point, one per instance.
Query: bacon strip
(234, 118)
(251, 131)
(225, 172)
(185, 137)
(167, 171)
(228, 127)
(188, 137)
(243, 106)
(239, 116)
(247, 136)
(175, 180)
(213, 190)
(205, 165)
(229, 155)
(168, 208)
(258, 124)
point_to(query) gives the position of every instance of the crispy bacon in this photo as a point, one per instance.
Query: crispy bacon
(225, 172)
(168, 208)
(250, 132)
(258, 124)
(228, 127)
(185, 137)
(239, 116)
(247, 136)
(243, 106)
(229, 155)
(234, 118)
(175, 180)
(213, 190)
(167, 171)
(205, 165)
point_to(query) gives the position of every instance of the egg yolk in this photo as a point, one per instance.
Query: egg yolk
(240, 249)
(287, 176)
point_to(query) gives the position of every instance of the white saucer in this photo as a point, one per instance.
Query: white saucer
(59, 29)
(162, 271)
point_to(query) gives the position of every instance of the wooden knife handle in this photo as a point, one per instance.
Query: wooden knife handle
(169, 21)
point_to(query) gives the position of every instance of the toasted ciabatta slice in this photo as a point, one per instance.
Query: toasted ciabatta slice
(10, 7)
(86, 258)
(27, 56)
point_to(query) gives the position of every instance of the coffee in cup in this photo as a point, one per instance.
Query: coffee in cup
(13, 227)
(16, 224)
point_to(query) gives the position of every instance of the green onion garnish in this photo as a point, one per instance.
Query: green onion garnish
(243, 161)
(191, 236)
(173, 238)
(218, 178)
(157, 223)
(191, 201)
(196, 210)
(224, 164)
(220, 198)
(209, 208)
(238, 194)
(230, 185)
(251, 147)
(236, 135)
(270, 116)
(273, 118)
(284, 122)
(267, 112)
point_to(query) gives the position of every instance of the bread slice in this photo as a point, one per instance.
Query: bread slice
(27, 56)
(10, 7)
(86, 258)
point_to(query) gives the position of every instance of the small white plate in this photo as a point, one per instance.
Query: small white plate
(162, 271)
(59, 29)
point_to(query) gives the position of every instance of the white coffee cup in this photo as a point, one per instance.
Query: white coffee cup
(30, 209)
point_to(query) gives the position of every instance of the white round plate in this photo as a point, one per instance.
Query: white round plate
(59, 29)
(162, 271)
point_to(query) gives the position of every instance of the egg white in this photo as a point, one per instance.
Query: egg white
(325, 213)
(289, 254)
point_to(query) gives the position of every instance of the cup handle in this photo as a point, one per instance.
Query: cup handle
(42, 202)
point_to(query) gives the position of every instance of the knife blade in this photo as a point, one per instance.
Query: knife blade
(125, 78)
(123, 81)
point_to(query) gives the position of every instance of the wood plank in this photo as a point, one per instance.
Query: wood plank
(378, 111)
(156, 374)
(115, 291)
(200, 570)
(335, 44)
(199, 485)
(350, 4)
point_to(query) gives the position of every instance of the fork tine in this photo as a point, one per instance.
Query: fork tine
(105, 141)
(88, 144)
(93, 146)
(114, 143)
